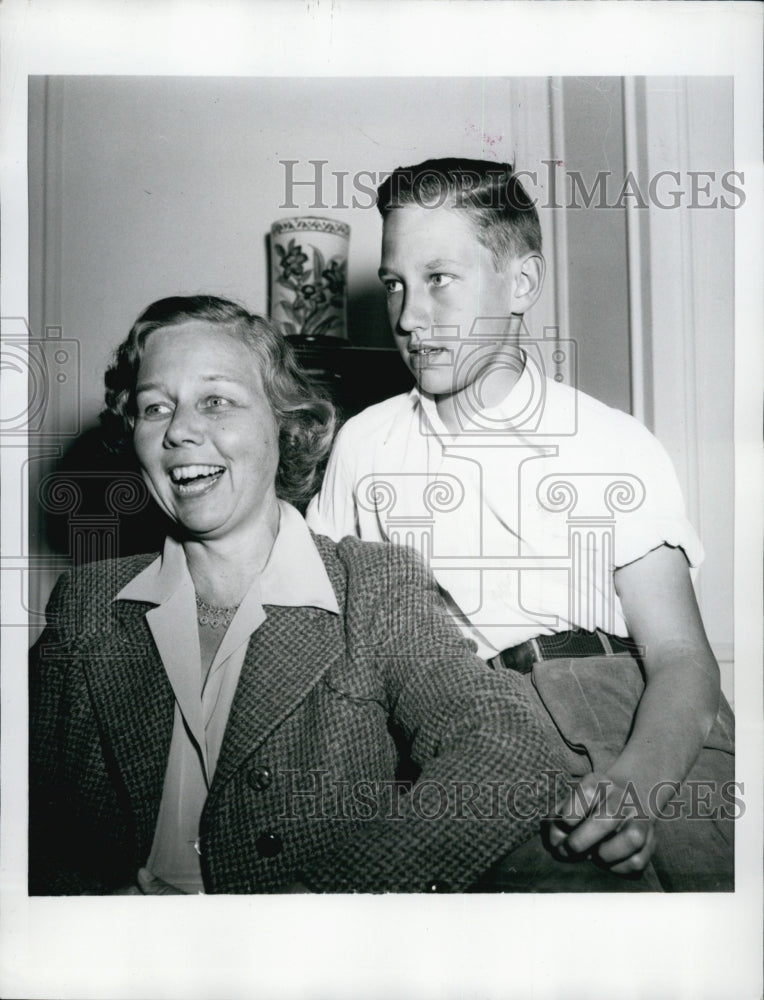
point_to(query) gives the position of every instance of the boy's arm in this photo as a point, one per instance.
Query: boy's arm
(675, 714)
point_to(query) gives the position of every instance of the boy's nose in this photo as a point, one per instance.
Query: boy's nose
(414, 316)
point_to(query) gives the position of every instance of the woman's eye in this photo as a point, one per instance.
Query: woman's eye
(441, 280)
(154, 410)
(216, 402)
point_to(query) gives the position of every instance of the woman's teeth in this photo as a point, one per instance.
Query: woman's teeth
(191, 478)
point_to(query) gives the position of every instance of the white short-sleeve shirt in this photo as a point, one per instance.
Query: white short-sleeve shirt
(523, 516)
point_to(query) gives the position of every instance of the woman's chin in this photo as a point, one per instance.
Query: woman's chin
(200, 525)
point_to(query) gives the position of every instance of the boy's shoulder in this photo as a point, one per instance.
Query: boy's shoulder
(567, 414)
(377, 417)
(591, 415)
(600, 437)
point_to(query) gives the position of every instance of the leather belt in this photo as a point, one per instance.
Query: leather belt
(563, 646)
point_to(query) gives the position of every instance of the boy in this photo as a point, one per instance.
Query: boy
(554, 525)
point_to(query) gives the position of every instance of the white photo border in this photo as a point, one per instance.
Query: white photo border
(693, 946)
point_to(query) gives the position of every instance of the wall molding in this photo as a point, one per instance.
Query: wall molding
(681, 309)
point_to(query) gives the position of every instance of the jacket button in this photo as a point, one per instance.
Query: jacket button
(268, 845)
(438, 885)
(259, 777)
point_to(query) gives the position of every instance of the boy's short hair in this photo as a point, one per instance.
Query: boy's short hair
(504, 217)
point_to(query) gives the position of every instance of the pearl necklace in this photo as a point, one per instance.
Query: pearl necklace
(208, 614)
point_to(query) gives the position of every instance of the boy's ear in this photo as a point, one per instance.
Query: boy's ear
(527, 281)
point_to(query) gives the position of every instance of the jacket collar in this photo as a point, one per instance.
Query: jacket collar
(294, 575)
(302, 635)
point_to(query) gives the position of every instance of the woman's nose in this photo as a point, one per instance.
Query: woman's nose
(185, 427)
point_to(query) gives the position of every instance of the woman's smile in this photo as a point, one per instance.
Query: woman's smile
(195, 480)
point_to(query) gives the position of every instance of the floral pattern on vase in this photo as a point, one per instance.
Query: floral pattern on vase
(309, 277)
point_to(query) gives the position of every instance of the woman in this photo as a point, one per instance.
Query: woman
(232, 715)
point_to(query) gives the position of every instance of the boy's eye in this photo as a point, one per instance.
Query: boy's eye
(441, 280)
(392, 285)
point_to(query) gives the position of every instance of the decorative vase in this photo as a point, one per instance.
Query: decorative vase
(308, 293)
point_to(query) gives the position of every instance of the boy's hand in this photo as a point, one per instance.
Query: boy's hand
(602, 818)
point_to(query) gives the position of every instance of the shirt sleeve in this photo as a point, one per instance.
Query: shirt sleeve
(657, 516)
(332, 511)
(487, 776)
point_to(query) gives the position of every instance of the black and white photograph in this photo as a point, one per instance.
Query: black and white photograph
(381, 521)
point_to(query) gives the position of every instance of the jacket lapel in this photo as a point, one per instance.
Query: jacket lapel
(285, 658)
(134, 704)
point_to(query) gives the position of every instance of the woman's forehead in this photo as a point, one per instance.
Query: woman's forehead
(196, 335)
(199, 345)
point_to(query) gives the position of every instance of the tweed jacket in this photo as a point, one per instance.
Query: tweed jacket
(331, 714)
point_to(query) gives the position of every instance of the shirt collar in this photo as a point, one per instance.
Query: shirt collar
(294, 576)
(160, 579)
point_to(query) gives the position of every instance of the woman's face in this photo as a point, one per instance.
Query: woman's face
(204, 432)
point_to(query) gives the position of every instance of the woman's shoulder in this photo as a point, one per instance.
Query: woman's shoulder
(355, 550)
(80, 601)
(104, 578)
(371, 568)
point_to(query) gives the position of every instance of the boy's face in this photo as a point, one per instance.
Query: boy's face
(448, 305)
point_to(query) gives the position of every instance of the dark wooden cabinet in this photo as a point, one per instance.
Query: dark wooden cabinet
(355, 377)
